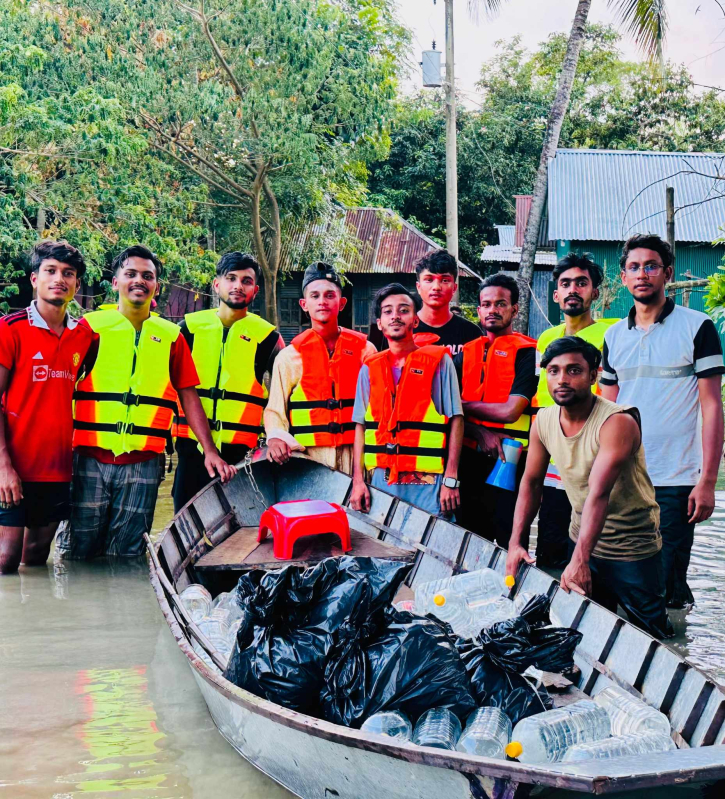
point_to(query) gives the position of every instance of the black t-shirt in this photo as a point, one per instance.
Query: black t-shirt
(264, 357)
(456, 332)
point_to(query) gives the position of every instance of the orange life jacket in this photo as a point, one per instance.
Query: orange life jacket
(320, 406)
(488, 375)
(403, 430)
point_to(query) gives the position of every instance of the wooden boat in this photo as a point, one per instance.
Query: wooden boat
(211, 541)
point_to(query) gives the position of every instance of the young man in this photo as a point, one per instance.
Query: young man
(577, 280)
(597, 445)
(313, 381)
(498, 381)
(667, 360)
(42, 352)
(408, 414)
(437, 276)
(232, 350)
(123, 414)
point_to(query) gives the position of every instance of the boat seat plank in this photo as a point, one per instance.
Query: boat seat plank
(242, 552)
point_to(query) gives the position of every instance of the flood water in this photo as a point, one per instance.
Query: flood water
(97, 701)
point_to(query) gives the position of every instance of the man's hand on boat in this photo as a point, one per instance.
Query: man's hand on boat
(11, 489)
(278, 451)
(577, 576)
(516, 554)
(215, 464)
(360, 497)
(450, 499)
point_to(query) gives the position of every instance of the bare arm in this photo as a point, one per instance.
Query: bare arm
(195, 416)
(360, 497)
(610, 392)
(450, 498)
(619, 439)
(504, 412)
(701, 502)
(11, 488)
(528, 502)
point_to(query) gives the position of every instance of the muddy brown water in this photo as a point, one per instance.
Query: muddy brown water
(96, 700)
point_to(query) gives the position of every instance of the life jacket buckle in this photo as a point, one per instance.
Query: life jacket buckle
(334, 428)
(217, 393)
(129, 398)
(216, 426)
(332, 404)
(120, 427)
(391, 449)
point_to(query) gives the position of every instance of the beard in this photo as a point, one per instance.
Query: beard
(58, 302)
(572, 399)
(576, 309)
(647, 299)
(236, 305)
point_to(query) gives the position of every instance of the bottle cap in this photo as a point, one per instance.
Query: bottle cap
(509, 581)
(514, 749)
(439, 600)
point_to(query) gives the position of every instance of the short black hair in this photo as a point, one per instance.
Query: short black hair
(647, 241)
(566, 344)
(585, 262)
(388, 291)
(60, 250)
(137, 251)
(438, 262)
(233, 261)
(502, 281)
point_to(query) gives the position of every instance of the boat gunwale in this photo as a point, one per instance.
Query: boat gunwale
(478, 766)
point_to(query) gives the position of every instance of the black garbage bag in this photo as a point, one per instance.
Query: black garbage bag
(496, 660)
(293, 614)
(517, 643)
(493, 686)
(409, 664)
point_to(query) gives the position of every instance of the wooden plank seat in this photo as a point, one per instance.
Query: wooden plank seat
(242, 552)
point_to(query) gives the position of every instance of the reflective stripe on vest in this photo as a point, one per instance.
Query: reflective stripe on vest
(127, 402)
(403, 430)
(320, 406)
(232, 398)
(594, 334)
(488, 375)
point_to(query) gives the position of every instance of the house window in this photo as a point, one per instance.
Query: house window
(361, 309)
(289, 311)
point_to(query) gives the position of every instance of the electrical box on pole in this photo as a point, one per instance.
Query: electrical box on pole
(431, 64)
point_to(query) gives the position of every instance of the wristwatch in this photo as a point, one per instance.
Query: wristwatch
(451, 482)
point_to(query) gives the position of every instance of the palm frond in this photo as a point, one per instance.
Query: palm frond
(646, 21)
(491, 7)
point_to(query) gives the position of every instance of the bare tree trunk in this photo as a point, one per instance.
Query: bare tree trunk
(551, 141)
(269, 263)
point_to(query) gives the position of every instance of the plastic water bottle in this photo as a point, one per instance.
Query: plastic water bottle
(197, 600)
(406, 605)
(629, 714)
(486, 615)
(392, 723)
(451, 607)
(481, 585)
(226, 601)
(521, 601)
(487, 733)
(439, 728)
(619, 746)
(546, 736)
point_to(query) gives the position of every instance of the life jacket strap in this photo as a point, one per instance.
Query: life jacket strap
(237, 396)
(127, 398)
(331, 404)
(398, 449)
(333, 427)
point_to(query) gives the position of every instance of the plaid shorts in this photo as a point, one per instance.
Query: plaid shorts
(113, 506)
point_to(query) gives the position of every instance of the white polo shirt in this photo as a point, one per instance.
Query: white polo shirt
(657, 371)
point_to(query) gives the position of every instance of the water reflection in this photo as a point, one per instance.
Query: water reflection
(96, 699)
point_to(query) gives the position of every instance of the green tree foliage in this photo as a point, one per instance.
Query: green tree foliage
(615, 104)
(71, 167)
(268, 103)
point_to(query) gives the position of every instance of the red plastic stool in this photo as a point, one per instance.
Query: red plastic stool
(288, 521)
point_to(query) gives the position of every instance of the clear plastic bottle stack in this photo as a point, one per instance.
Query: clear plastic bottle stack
(485, 615)
(487, 733)
(226, 601)
(545, 737)
(619, 746)
(451, 607)
(439, 728)
(629, 714)
(478, 586)
(392, 723)
(197, 600)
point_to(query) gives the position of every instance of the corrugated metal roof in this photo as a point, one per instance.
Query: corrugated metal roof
(608, 195)
(512, 255)
(382, 242)
(506, 235)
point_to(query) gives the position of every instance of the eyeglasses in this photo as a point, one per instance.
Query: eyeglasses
(648, 269)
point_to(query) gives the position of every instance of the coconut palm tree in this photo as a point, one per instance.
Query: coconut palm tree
(646, 20)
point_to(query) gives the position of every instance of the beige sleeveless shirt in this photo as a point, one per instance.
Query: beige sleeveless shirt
(631, 530)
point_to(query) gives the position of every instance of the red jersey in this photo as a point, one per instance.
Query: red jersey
(38, 402)
(183, 375)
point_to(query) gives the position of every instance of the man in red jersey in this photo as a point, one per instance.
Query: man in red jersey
(42, 352)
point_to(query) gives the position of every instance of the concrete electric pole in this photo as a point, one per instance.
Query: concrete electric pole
(451, 146)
